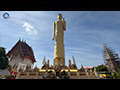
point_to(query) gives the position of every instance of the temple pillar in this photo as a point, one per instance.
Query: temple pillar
(27, 75)
(18, 75)
(37, 75)
(68, 73)
(86, 70)
(77, 73)
(96, 73)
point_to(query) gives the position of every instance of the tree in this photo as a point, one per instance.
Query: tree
(4, 63)
(9, 67)
(93, 69)
(101, 68)
(116, 75)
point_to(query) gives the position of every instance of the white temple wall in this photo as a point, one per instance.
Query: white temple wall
(27, 61)
(22, 66)
(15, 60)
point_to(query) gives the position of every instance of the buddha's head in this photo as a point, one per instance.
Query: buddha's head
(59, 17)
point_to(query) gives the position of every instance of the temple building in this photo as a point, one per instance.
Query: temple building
(21, 56)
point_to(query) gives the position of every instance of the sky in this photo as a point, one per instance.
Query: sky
(86, 32)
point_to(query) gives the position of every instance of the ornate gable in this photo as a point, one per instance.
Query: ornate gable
(23, 49)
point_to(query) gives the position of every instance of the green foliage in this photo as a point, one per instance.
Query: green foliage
(116, 75)
(93, 69)
(100, 68)
(4, 63)
(8, 76)
(9, 68)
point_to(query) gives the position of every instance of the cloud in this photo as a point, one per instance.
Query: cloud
(87, 31)
(82, 52)
(29, 28)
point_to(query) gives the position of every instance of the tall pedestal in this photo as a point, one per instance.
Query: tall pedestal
(59, 54)
(61, 61)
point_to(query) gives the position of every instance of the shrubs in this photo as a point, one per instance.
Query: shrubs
(116, 75)
(100, 68)
(10, 76)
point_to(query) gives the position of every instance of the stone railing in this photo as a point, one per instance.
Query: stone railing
(83, 75)
(30, 75)
(73, 75)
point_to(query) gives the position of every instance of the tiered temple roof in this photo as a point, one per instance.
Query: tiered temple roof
(25, 49)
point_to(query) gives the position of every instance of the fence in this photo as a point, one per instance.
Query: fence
(72, 75)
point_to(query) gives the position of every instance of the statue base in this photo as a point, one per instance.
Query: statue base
(60, 61)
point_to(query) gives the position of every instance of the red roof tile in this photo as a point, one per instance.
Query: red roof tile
(25, 50)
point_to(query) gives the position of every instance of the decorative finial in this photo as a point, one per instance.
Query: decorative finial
(48, 62)
(22, 40)
(69, 63)
(73, 60)
(104, 45)
(44, 61)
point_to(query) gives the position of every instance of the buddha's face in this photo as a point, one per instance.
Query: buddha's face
(59, 17)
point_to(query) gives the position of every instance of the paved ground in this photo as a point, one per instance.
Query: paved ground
(106, 78)
(2, 77)
(4, 72)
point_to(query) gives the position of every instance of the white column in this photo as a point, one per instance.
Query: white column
(28, 75)
(86, 70)
(16, 64)
(18, 58)
(68, 73)
(18, 75)
(11, 56)
(18, 67)
(96, 74)
(10, 59)
(77, 73)
(32, 66)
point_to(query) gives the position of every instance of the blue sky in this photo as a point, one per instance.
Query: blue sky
(86, 32)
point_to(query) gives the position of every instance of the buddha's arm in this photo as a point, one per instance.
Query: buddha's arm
(64, 25)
